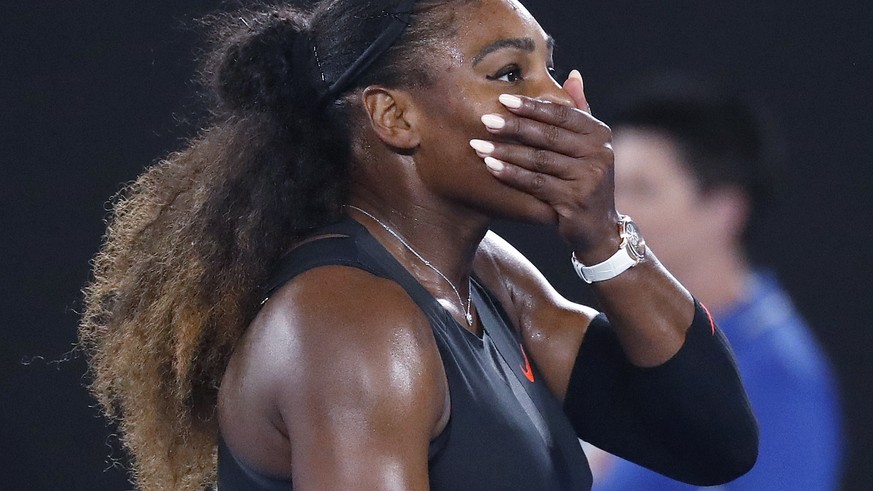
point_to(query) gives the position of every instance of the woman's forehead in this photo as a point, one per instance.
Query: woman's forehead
(491, 23)
(520, 9)
(501, 14)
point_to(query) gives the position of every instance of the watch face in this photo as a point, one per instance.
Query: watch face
(636, 243)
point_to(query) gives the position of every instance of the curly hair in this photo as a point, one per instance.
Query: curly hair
(190, 243)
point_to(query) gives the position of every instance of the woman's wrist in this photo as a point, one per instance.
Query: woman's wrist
(594, 248)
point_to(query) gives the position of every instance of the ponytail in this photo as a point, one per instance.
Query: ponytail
(191, 242)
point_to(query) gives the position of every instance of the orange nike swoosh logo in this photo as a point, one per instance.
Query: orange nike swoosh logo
(526, 369)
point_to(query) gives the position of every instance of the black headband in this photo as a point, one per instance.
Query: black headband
(399, 20)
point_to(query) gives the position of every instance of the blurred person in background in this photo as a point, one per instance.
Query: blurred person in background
(694, 167)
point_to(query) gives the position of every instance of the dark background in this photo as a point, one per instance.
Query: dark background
(94, 91)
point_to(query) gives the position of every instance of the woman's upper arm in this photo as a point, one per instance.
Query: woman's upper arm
(364, 389)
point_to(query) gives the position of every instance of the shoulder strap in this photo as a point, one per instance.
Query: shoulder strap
(348, 243)
(337, 248)
(382, 261)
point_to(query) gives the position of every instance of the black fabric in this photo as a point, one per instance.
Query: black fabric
(688, 418)
(234, 475)
(504, 433)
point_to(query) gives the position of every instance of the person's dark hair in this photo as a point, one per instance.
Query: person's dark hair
(722, 139)
(190, 243)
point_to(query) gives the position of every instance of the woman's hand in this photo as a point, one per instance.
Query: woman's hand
(561, 155)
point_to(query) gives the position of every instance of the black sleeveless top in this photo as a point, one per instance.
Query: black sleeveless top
(506, 430)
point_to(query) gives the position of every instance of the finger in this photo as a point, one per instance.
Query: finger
(534, 133)
(549, 136)
(575, 88)
(560, 115)
(533, 159)
(544, 187)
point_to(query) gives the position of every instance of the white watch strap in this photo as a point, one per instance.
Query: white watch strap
(620, 262)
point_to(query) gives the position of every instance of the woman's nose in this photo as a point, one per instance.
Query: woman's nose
(550, 90)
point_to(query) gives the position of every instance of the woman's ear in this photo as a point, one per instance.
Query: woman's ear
(388, 111)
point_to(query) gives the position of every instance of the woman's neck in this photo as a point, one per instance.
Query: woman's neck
(430, 240)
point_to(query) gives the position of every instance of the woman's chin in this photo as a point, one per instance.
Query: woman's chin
(527, 209)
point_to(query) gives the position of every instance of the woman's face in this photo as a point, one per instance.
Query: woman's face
(499, 48)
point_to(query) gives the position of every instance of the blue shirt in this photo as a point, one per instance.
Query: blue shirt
(793, 394)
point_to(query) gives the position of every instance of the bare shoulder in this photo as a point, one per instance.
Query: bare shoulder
(346, 329)
(343, 358)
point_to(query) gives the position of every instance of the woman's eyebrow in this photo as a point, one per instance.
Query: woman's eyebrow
(523, 44)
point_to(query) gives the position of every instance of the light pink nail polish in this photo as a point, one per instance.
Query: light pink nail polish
(575, 74)
(510, 101)
(482, 146)
(494, 164)
(493, 121)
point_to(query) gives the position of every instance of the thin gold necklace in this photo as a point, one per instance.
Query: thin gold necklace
(467, 315)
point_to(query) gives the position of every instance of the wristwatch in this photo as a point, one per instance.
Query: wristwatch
(630, 253)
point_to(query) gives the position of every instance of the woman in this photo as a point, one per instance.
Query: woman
(311, 285)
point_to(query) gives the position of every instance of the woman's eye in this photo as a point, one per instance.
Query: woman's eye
(511, 73)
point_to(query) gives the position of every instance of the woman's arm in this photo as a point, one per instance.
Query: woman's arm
(656, 388)
(649, 384)
(562, 156)
(359, 387)
(687, 417)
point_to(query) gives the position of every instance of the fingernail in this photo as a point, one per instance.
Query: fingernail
(494, 164)
(510, 101)
(575, 74)
(493, 121)
(482, 146)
